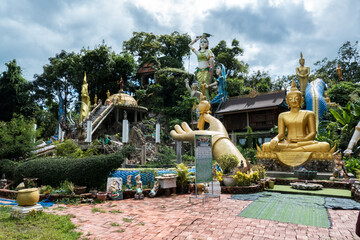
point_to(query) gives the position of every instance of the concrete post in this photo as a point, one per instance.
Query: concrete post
(178, 151)
(88, 131)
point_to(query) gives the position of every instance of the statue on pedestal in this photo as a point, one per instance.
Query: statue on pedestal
(354, 139)
(298, 145)
(303, 73)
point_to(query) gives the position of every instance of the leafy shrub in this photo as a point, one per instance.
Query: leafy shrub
(91, 172)
(188, 159)
(166, 157)
(248, 153)
(16, 138)
(183, 176)
(68, 149)
(246, 179)
(8, 167)
(227, 163)
(353, 165)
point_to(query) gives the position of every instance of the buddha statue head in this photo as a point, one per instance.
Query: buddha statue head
(294, 97)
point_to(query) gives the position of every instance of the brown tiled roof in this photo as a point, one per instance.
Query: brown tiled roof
(246, 103)
(146, 68)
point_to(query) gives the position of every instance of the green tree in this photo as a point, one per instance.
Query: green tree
(17, 138)
(342, 92)
(348, 58)
(62, 74)
(104, 68)
(15, 93)
(168, 49)
(228, 57)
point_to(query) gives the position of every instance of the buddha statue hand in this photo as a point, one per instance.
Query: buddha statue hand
(273, 143)
(221, 143)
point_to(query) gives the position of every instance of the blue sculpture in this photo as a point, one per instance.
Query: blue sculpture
(221, 82)
(314, 98)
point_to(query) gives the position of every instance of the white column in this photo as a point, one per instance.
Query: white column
(178, 151)
(88, 131)
(35, 127)
(125, 131)
(157, 136)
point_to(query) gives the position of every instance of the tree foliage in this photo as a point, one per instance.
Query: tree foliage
(14, 90)
(228, 57)
(168, 48)
(348, 58)
(16, 138)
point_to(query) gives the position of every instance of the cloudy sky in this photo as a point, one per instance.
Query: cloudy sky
(272, 33)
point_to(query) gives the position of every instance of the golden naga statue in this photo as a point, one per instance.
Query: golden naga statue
(85, 99)
(221, 143)
(303, 73)
(299, 144)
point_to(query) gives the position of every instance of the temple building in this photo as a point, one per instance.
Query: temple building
(257, 110)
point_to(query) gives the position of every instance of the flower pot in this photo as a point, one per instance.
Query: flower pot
(228, 181)
(101, 196)
(28, 197)
(271, 184)
(79, 190)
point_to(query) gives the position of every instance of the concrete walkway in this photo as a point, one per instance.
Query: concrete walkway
(175, 218)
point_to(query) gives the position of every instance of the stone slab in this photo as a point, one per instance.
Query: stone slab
(23, 211)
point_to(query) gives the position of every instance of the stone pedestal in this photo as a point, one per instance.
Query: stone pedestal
(320, 165)
(23, 211)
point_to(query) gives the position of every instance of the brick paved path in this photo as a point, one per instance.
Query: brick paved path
(175, 218)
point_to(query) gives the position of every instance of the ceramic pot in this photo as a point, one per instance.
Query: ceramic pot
(101, 196)
(80, 189)
(271, 184)
(28, 196)
(228, 181)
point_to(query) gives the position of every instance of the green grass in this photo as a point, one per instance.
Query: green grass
(94, 210)
(39, 226)
(332, 192)
(127, 220)
(115, 211)
(114, 224)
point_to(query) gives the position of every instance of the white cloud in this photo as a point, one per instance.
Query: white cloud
(272, 32)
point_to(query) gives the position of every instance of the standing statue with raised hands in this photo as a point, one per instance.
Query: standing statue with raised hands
(205, 58)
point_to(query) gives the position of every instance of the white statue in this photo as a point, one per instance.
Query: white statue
(354, 139)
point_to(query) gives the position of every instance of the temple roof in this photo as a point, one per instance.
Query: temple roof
(251, 102)
(146, 68)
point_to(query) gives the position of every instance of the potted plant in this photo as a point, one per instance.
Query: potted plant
(228, 163)
(183, 177)
(79, 190)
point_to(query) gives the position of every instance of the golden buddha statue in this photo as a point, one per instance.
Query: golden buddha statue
(299, 144)
(303, 73)
(339, 72)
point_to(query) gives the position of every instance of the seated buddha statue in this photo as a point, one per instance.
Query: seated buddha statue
(301, 132)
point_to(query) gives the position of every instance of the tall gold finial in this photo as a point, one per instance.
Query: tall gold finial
(84, 81)
(294, 89)
(301, 55)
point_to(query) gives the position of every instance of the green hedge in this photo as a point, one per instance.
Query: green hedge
(8, 167)
(90, 172)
